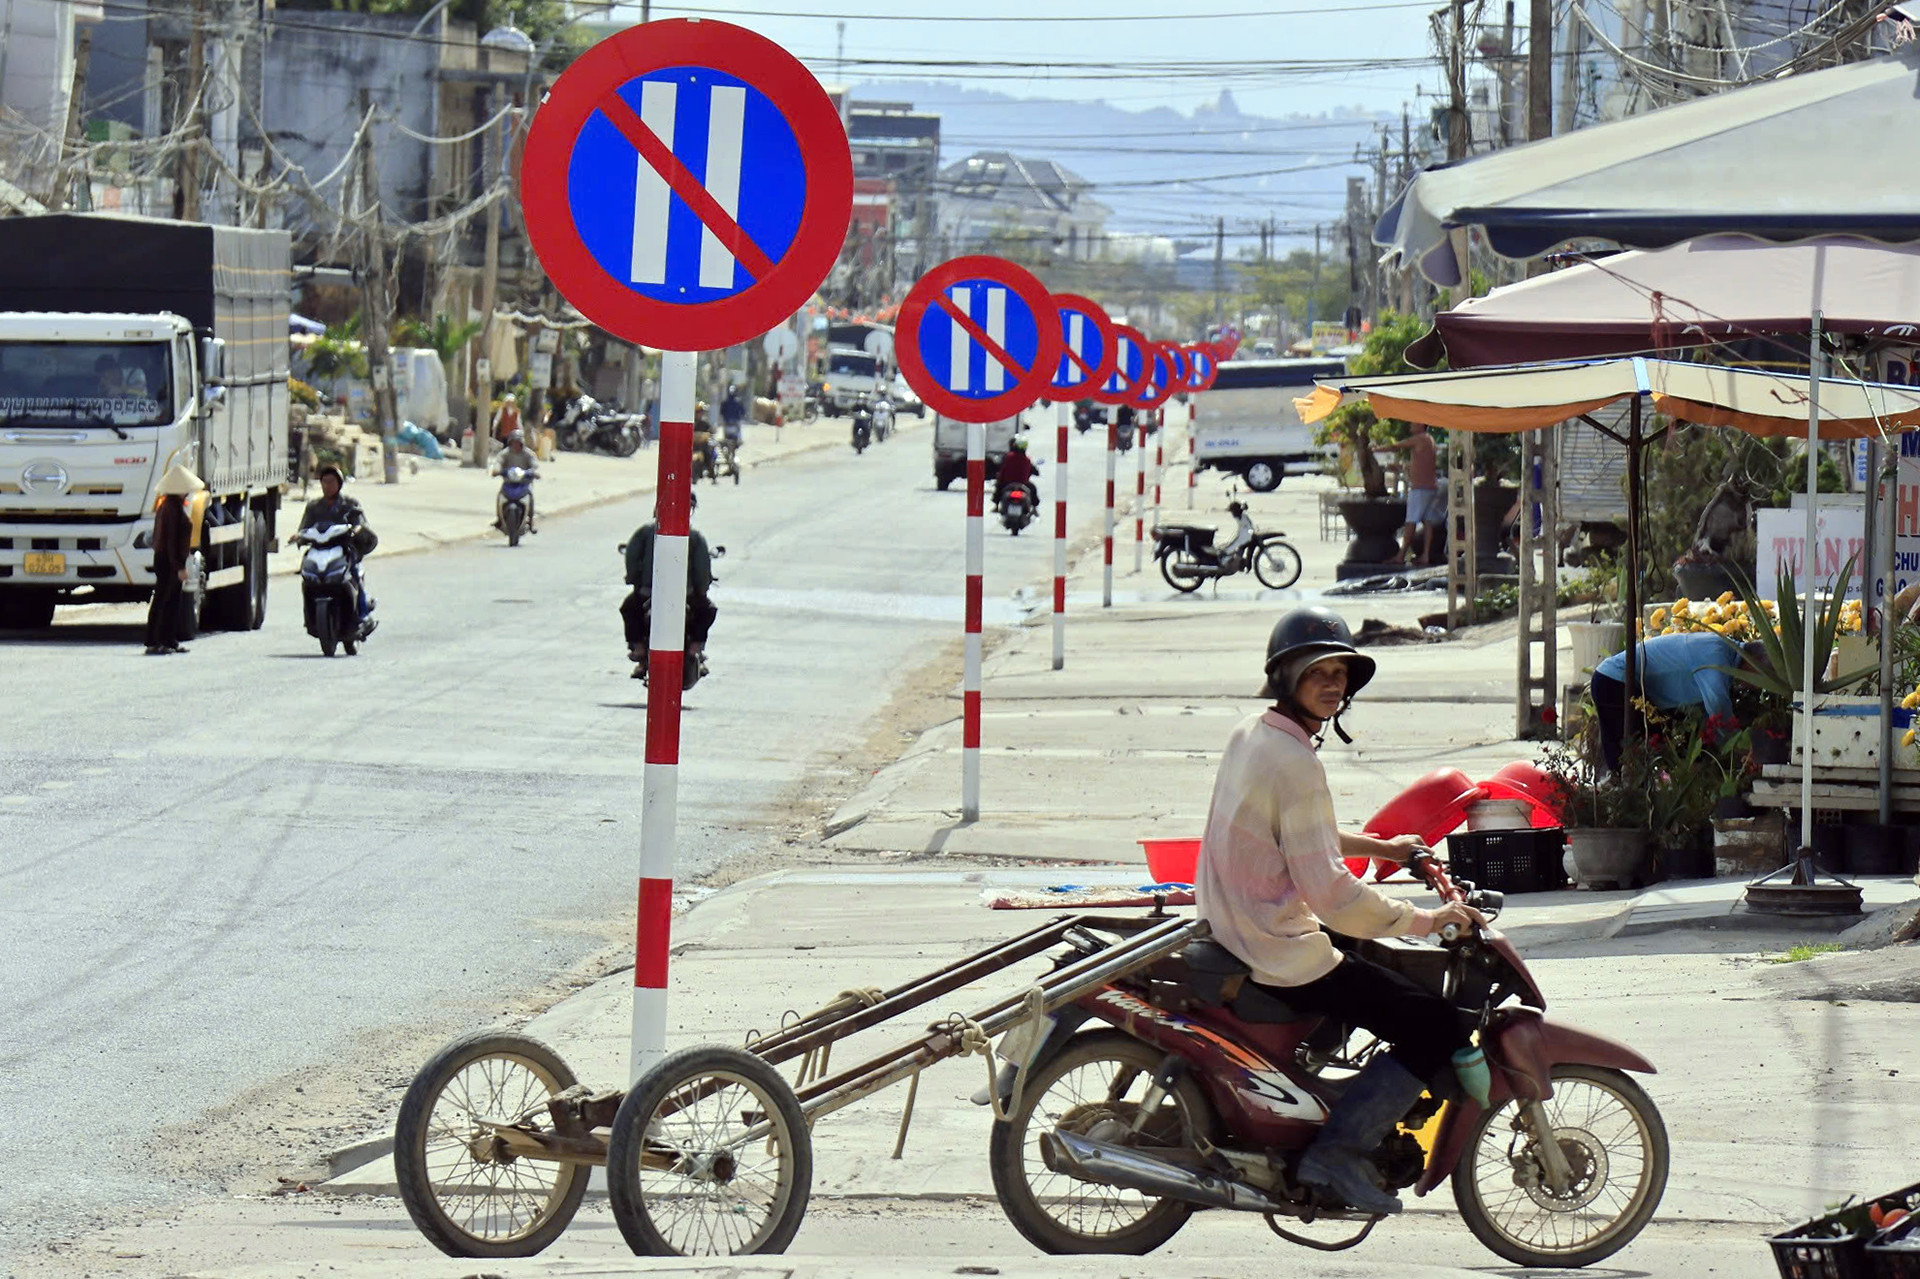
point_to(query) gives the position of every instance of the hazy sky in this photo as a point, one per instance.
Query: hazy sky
(1220, 43)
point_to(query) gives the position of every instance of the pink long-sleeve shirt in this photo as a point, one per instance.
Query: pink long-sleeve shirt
(1270, 871)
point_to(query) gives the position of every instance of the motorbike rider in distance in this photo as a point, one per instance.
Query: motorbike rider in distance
(1270, 875)
(517, 454)
(335, 507)
(1017, 467)
(636, 610)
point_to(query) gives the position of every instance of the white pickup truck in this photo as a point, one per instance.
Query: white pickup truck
(1246, 424)
(950, 448)
(128, 345)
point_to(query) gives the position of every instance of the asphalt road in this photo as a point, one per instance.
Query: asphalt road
(222, 867)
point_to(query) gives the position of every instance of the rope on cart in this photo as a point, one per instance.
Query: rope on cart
(973, 1038)
(813, 1065)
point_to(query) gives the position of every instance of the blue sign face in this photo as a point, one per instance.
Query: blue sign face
(655, 231)
(1131, 364)
(957, 339)
(1085, 347)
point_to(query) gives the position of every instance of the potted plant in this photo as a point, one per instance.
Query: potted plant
(1374, 517)
(1606, 813)
(1689, 778)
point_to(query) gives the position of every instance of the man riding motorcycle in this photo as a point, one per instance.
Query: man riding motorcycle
(1270, 876)
(636, 610)
(1017, 467)
(517, 454)
(334, 507)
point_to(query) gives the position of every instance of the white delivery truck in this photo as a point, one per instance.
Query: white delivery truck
(1245, 424)
(128, 345)
(950, 448)
(853, 377)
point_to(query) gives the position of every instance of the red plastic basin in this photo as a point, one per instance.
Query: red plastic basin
(1172, 861)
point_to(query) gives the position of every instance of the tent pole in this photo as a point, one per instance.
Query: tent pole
(1632, 620)
(1880, 575)
(1816, 369)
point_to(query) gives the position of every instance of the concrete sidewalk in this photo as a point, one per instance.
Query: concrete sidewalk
(442, 503)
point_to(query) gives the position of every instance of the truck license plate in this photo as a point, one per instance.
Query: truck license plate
(42, 562)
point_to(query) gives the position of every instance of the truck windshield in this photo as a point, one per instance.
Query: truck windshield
(85, 383)
(850, 365)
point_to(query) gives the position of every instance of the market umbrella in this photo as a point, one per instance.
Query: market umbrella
(1527, 397)
(1717, 289)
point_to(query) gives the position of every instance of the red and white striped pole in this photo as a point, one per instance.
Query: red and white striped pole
(666, 644)
(1140, 492)
(976, 566)
(1193, 463)
(1113, 449)
(1060, 536)
(1159, 468)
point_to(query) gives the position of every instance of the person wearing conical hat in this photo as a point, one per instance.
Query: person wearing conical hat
(172, 542)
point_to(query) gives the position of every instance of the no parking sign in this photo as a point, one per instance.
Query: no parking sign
(1131, 365)
(1088, 351)
(979, 339)
(687, 184)
(1159, 383)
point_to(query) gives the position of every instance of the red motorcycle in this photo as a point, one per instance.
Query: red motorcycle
(1202, 1090)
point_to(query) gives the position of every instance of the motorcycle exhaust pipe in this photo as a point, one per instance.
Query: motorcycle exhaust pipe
(1109, 1165)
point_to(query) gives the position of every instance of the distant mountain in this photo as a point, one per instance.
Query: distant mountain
(1133, 157)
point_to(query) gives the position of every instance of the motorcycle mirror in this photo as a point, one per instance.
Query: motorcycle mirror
(622, 548)
(719, 552)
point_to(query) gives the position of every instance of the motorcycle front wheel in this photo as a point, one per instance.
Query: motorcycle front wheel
(1616, 1146)
(1178, 570)
(1277, 565)
(1095, 1088)
(323, 628)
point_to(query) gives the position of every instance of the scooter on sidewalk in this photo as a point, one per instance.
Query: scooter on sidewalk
(331, 588)
(1188, 557)
(1188, 1086)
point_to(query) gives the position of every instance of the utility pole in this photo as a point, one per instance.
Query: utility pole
(1506, 81)
(70, 136)
(1219, 270)
(374, 294)
(1570, 77)
(489, 294)
(1313, 298)
(1457, 134)
(186, 165)
(1540, 69)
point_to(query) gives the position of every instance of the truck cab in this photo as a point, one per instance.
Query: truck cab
(853, 376)
(950, 448)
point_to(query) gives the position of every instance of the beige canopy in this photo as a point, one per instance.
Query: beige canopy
(1525, 397)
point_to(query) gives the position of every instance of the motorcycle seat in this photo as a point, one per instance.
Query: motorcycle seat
(1262, 1006)
(1213, 973)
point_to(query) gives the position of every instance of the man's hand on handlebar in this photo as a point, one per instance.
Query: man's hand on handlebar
(1455, 919)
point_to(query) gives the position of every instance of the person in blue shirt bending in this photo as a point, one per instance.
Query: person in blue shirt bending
(1677, 672)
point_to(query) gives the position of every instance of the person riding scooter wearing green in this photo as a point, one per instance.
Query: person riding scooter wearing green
(1271, 881)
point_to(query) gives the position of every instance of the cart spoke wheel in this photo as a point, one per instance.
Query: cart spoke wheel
(1615, 1146)
(463, 1185)
(710, 1156)
(1094, 1088)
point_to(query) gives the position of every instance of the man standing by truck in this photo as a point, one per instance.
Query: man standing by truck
(172, 544)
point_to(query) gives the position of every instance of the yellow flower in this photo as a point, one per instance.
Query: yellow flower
(1659, 617)
(1908, 739)
(1726, 597)
(1911, 700)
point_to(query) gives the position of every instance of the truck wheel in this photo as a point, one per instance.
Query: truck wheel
(1263, 477)
(243, 606)
(942, 479)
(192, 606)
(257, 575)
(26, 610)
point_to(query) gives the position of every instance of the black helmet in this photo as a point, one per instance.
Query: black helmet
(1309, 633)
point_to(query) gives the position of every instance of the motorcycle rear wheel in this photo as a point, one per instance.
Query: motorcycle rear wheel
(626, 444)
(1603, 1120)
(1093, 1088)
(1277, 565)
(324, 629)
(512, 521)
(1185, 583)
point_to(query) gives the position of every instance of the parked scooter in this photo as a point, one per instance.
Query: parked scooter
(1018, 503)
(331, 587)
(1188, 557)
(587, 426)
(1203, 1090)
(515, 506)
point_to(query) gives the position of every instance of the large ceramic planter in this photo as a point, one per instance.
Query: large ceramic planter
(1705, 581)
(1491, 502)
(1594, 642)
(1606, 858)
(1376, 524)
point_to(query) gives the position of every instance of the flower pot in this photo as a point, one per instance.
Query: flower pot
(1731, 806)
(1594, 642)
(1705, 581)
(1606, 858)
(1749, 846)
(1771, 747)
(1693, 862)
(1376, 524)
(1872, 849)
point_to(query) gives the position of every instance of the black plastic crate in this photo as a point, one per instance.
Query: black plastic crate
(1835, 1246)
(1894, 1253)
(1509, 861)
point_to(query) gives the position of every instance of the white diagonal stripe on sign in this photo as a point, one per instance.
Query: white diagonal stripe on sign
(996, 326)
(652, 197)
(726, 124)
(960, 352)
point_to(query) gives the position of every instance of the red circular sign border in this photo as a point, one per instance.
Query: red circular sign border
(1110, 343)
(1123, 399)
(1027, 388)
(824, 154)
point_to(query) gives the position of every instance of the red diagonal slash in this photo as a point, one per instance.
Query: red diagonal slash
(978, 334)
(686, 186)
(1086, 370)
